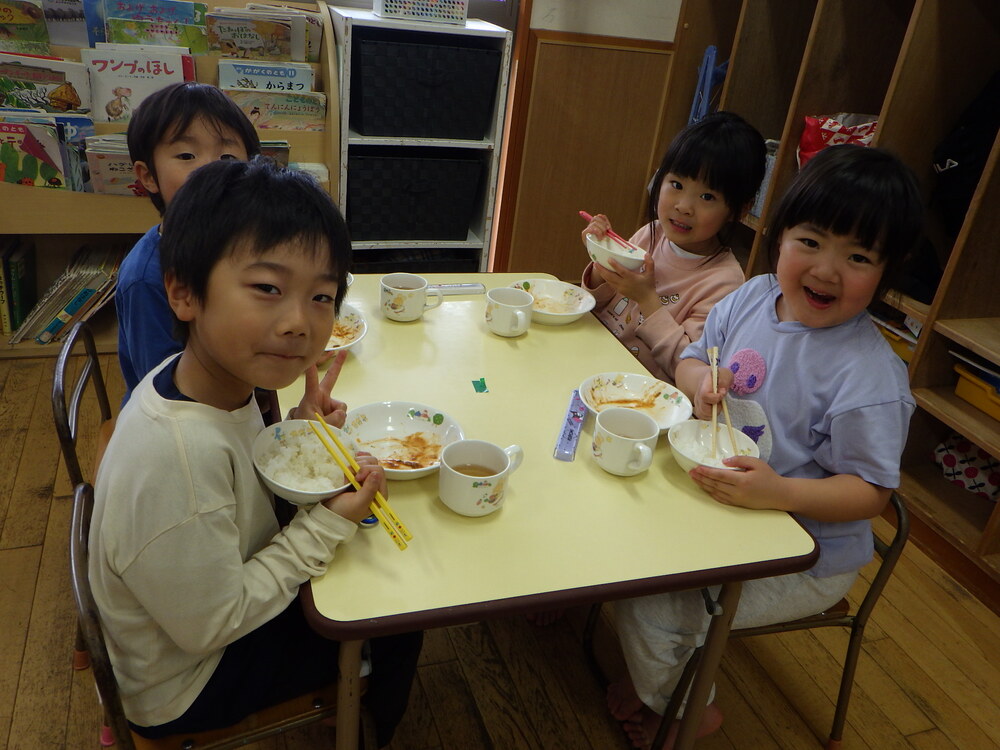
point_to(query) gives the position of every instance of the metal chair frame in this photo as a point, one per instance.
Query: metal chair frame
(66, 415)
(836, 616)
(275, 720)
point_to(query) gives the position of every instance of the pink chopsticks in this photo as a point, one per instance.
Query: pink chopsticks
(611, 233)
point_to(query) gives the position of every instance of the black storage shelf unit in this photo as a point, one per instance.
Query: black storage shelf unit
(422, 110)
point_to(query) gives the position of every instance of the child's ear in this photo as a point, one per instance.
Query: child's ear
(180, 298)
(145, 176)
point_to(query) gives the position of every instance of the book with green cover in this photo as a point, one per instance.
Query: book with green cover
(19, 270)
(132, 31)
(22, 27)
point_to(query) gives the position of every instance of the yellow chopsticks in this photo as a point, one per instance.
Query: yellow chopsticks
(713, 357)
(380, 508)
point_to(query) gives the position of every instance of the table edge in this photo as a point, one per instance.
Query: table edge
(475, 612)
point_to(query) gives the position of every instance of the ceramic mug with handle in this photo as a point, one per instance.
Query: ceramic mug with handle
(624, 441)
(473, 476)
(405, 296)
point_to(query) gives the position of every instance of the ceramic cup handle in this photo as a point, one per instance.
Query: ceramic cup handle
(515, 454)
(438, 298)
(643, 458)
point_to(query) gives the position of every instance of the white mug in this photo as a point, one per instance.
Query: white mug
(508, 311)
(624, 440)
(472, 480)
(405, 296)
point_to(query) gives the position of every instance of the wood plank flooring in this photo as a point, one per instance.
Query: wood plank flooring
(928, 678)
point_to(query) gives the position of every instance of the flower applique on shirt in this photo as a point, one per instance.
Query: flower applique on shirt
(749, 371)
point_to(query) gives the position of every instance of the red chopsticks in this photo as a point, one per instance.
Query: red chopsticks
(611, 233)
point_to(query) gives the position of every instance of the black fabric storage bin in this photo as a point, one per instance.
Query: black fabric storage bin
(417, 260)
(422, 90)
(401, 197)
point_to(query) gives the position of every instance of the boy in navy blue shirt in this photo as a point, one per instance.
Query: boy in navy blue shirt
(172, 133)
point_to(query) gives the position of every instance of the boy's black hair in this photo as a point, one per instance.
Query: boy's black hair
(857, 191)
(167, 113)
(250, 206)
(726, 153)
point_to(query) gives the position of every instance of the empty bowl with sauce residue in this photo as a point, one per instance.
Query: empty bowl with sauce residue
(662, 401)
(406, 437)
(348, 329)
(556, 302)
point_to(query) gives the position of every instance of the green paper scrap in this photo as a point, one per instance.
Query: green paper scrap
(480, 385)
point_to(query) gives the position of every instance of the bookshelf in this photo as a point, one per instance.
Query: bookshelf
(917, 64)
(58, 221)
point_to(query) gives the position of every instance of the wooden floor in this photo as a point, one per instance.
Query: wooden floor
(929, 676)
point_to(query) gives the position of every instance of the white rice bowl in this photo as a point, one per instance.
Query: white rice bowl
(691, 444)
(295, 465)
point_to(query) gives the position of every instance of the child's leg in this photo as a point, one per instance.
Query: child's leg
(659, 633)
(394, 664)
(281, 659)
(285, 658)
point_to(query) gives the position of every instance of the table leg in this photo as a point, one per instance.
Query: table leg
(715, 645)
(349, 695)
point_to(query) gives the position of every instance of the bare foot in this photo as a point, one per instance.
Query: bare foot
(622, 699)
(544, 618)
(641, 727)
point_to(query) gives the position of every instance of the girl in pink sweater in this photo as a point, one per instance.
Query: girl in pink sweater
(706, 181)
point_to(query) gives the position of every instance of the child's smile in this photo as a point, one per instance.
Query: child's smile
(691, 213)
(826, 279)
(264, 320)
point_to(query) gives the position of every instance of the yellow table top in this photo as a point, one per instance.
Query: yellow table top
(565, 527)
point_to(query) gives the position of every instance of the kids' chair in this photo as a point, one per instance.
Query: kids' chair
(305, 709)
(837, 615)
(67, 420)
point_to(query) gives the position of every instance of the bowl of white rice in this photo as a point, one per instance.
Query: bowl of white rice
(295, 465)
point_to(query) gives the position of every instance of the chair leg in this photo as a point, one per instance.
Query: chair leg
(81, 657)
(677, 697)
(846, 684)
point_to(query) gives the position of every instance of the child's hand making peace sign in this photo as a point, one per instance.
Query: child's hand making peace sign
(317, 396)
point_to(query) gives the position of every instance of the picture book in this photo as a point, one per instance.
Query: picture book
(256, 37)
(93, 12)
(276, 150)
(266, 76)
(19, 274)
(73, 130)
(6, 326)
(54, 85)
(168, 11)
(121, 78)
(314, 26)
(66, 22)
(133, 31)
(111, 166)
(169, 49)
(277, 109)
(22, 27)
(74, 295)
(30, 154)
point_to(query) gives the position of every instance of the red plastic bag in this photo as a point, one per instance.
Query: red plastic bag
(822, 131)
